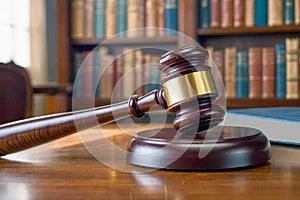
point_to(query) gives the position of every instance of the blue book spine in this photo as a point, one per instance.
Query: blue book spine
(171, 17)
(77, 88)
(121, 17)
(242, 75)
(96, 74)
(288, 12)
(154, 78)
(204, 13)
(99, 18)
(280, 67)
(261, 12)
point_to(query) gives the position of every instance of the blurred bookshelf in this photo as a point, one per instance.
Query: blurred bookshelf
(246, 39)
(190, 15)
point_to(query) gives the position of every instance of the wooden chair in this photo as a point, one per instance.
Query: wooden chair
(15, 93)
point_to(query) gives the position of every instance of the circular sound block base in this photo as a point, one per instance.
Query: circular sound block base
(235, 147)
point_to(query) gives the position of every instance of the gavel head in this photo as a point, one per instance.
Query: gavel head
(189, 89)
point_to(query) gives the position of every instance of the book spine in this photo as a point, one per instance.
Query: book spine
(111, 18)
(275, 12)
(152, 18)
(292, 70)
(249, 13)
(268, 72)
(255, 72)
(87, 74)
(261, 12)
(171, 17)
(289, 13)
(280, 67)
(242, 74)
(97, 74)
(77, 19)
(215, 13)
(239, 13)
(118, 72)
(204, 13)
(230, 72)
(89, 18)
(142, 17)
(121, 17)
(107, 76)
(218, 57)
(147, 61)
(161, 18)
(128, 72)
(139, 73)
(154, 74)
(135, 18)
(227, 14)
(77, 87)
(297, 12)
(99, 18)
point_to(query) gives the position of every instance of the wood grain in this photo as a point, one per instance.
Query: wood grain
(24, 134)
(64, 169)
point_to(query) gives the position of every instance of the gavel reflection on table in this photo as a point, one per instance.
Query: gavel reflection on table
(189, 90)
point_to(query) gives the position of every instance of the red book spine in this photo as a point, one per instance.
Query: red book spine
(117, 91)
(255, 72)
(215, 13)
(239, 13)
(268, 72)
(87, 74)
(227, 9)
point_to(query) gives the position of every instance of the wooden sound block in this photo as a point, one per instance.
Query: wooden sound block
(234, 147)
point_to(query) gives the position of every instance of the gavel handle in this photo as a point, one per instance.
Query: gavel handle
(23, 134)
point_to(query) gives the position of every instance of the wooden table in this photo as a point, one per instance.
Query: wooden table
(64, 169)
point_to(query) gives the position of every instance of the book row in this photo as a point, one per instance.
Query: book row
(102, 74)
(105, 18)
(247, 13)
(260, 72)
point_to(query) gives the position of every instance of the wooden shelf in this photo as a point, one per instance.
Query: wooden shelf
(248, 103)
(248, 30)
(125, 41)
(231, 103)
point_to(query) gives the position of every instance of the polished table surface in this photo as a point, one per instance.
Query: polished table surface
(65, 169)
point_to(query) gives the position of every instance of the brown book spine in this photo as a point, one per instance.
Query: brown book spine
(227, 14)
(147, 62)
(111, 18)
(275, 12)
(89, 18)
(161, 17)
(292, 70)
(215, 13)
(77, 19)
(139, 73)
(268, 72)
(107, 78)
(117, 92)
(218, 57)
(249, 13)
(135, 18)
(152, 18)
(255, 72)
(87, 74)
(239, 13)
(297, 12)
(128, 72)
(230, 72)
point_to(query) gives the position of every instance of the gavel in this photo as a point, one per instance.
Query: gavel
(188, 89)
